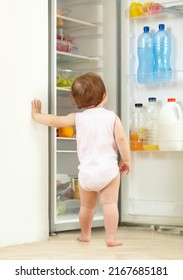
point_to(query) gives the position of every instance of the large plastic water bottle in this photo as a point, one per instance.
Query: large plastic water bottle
(145, 57)
(162, 52)
(152, 115)
(138, 131)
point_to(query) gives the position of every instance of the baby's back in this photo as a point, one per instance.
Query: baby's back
(96, 147)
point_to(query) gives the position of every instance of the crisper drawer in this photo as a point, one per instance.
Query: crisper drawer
(67, 208)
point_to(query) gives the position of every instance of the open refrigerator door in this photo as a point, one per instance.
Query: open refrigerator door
(152, 194)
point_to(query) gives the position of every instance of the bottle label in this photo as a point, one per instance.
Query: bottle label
(142, 134)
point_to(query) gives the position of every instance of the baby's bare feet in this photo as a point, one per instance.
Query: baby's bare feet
(84, 238)
(113, 243)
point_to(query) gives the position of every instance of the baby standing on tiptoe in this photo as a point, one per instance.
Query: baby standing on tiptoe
(99, 135)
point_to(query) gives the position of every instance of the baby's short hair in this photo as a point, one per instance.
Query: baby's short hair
(88, 90)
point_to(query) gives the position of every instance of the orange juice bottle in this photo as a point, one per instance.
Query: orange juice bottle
(135, 144)
(138, 131)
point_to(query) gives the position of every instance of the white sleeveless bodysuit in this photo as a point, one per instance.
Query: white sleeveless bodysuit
(96, 146)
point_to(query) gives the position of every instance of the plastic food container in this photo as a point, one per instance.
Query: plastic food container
(62, 12)
(67, 206)
(65, 77)
(65, 42)
(64, 46)
(75, 188)
(62, 181)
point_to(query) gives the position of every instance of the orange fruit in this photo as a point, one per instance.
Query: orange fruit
(67, 131)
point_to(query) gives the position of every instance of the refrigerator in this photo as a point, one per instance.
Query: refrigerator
(152, 194)
(99, 36)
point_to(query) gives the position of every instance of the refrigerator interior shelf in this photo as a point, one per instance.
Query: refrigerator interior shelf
(76, 21)
(66, 151)
(63, 91)
(172, 8)
(83, 2)
(66, 138)
(71, 58)
(69, 218)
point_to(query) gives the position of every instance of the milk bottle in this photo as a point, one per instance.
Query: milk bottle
(170, 126)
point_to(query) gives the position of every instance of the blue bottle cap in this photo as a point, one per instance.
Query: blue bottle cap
(161, 26)
(150, 99)
(146, 28)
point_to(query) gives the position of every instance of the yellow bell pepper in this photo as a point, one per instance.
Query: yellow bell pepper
(136, 9)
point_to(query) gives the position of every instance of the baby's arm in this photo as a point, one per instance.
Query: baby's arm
(123, 146)
(51, 120)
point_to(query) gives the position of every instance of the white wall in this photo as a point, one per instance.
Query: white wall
(23, 143)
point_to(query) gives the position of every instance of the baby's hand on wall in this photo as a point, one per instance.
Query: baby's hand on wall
(36, 107)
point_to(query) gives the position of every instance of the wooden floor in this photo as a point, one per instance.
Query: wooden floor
(143, 243)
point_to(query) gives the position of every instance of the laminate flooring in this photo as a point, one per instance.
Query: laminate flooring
(139, 243)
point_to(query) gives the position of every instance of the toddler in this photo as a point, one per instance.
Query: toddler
(100, 135)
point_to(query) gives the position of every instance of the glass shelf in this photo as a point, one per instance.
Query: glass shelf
(72, 58)
(69, 218)
(66, 151)
(66, 138)
(64, 92)
(69, 20)
(83, 2)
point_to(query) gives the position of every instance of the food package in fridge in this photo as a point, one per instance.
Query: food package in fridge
(67, 206)
(65, 43)
(62, 181)
(65, 77)
(62, 12)
(64, 46)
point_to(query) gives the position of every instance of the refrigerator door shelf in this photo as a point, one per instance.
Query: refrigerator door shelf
(154, 10)
(159, 213)
(164, 146)
(168, 146)
(139, 207)
(176, 77)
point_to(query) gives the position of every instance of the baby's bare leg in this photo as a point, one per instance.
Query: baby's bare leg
(109, 202)
(88, 202)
